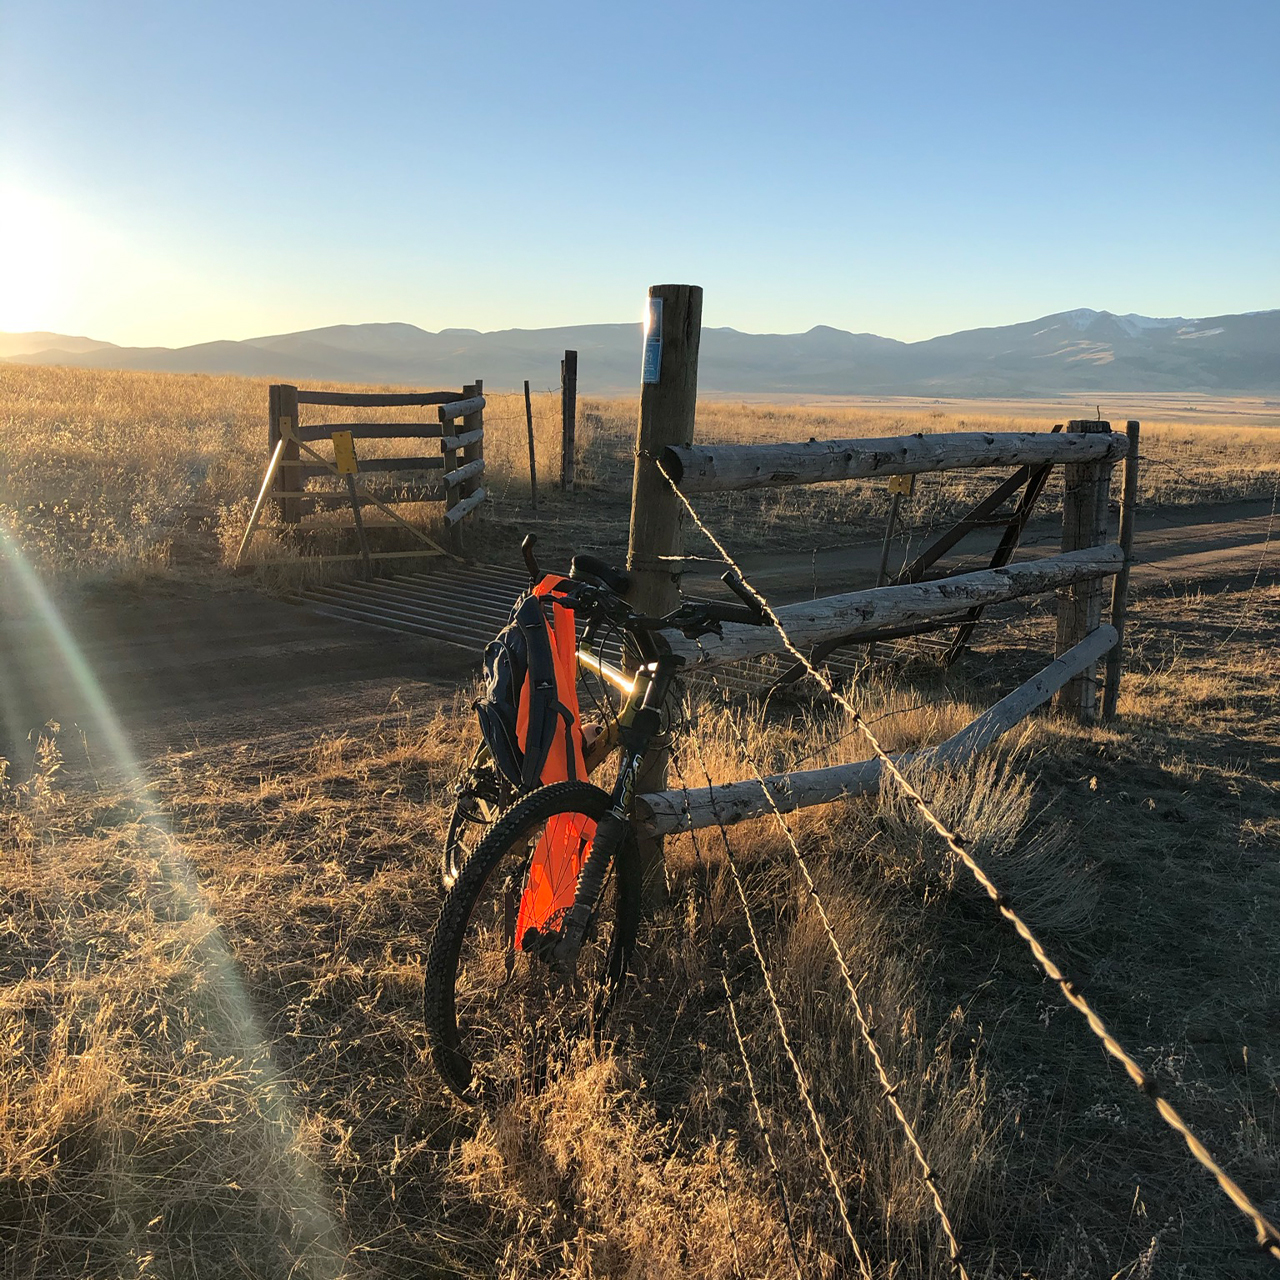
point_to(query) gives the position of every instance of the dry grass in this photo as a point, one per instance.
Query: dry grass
(122, 473)
(211, 1052)
(213, 1049)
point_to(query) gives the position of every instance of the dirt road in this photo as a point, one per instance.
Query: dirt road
(194, 668)
(1202, 543)
(204, 667)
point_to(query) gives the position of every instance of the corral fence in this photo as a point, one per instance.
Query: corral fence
(446, 466)
(670, 472)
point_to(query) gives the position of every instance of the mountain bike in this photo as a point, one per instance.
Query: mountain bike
(501, 991)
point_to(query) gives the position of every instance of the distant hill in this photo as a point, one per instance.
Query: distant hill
(1071, 352)
(17, 345)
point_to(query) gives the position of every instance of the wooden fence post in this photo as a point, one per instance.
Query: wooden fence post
(1086, 487)
(474, 450)
(568, 416)
(453, 459)
(668, 402)
(282, 408)
(1120, 586)
(533, 463)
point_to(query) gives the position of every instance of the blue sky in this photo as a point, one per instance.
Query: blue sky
(172, 173)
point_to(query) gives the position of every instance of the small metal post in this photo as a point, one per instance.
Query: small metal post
(344, 458)
(359, 519)
(568, 416)
(533, 465)
(898, 486)
(883, 572)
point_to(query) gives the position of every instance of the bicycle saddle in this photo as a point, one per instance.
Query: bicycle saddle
(585, 568)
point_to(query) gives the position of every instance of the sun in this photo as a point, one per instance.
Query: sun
(38, 248)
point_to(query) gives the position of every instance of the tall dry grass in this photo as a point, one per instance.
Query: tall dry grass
(230, 1079)
(120, 473)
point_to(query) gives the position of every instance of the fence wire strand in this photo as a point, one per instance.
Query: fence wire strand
(802, 1080)
(779, 1185)
(1266, 1233)
(724, 1193)
(889, 1088)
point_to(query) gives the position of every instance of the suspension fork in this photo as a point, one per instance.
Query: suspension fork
(637, 729)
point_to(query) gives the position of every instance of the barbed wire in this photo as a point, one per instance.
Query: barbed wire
(1267, 1234)
(724, 1192)
(889, 1088)
(802, 1080)
(755, 1103)
(778, 1181)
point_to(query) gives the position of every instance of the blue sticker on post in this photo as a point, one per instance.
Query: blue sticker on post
(652, 369)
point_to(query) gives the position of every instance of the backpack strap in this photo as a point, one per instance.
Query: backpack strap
(570, 755)
(540, 680)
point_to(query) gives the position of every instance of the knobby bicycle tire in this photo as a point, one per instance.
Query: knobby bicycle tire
(528, 1003)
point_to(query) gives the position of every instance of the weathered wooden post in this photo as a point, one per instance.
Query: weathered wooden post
(1120, 584)
(455, 459)
(282, 415)
(533, 463)
(1086, 486)
(474, 449)
(568, 416)
(668, 403)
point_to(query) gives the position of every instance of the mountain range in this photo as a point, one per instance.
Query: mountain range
(1070, 352)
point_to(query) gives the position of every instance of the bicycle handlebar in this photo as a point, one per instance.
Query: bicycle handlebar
(596, 588)
(692, 618)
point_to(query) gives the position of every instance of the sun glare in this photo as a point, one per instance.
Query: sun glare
(38, 242)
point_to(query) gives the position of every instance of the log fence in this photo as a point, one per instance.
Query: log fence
(1087, 451)
(670, 467)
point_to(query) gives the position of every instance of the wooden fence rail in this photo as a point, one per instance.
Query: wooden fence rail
(707, 468)
(863, 612)
(665, 812)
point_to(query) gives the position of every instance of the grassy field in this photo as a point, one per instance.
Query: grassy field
(126, 474)
(213, 1057)
(211, 1051)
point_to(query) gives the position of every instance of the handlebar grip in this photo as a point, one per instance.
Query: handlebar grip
(530, 560)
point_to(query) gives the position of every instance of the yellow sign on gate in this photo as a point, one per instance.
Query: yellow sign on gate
(344, 453)
(905, 485)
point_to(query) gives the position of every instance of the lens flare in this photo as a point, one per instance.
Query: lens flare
(239, 1031)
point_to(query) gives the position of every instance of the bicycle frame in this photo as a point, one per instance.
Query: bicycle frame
(639, 723)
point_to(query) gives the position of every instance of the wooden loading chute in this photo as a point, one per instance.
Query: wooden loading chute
(448, 472)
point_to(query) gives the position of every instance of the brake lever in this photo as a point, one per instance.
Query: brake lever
(691, 622)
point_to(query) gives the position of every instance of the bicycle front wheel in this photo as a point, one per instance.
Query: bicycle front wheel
(496, 1013)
